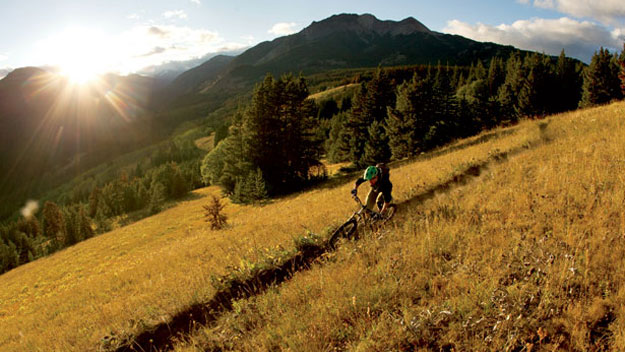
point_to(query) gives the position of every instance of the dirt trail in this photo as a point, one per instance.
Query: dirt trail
(164, 335)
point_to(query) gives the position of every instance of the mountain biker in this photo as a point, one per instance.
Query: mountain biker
(381, 186)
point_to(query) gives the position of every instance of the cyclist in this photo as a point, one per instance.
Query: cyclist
(381, 186)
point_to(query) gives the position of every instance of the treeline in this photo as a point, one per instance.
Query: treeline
(91, 207)
(275, 144)
(393, 120)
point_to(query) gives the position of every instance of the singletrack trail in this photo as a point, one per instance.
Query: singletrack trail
(164, 335)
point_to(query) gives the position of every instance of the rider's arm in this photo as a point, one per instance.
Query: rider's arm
(356, 184)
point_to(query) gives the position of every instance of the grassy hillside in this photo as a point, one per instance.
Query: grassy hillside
(533, 239)
(526, 257)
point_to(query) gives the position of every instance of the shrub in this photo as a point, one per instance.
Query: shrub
(213, 214)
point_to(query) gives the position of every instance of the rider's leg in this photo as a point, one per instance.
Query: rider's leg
(371, 199)
(379, 201)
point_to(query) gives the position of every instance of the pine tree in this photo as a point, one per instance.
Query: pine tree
(535, 93)
(158, 194)
(278, 134)
(446, 105)
(415, 113)
(84, 224)
(72, 226)
(376, 147)
(496, 75)
(601, 83)
(94, 200)
(337, 145)
(402, 122)
(258, 186)
(327, 109)
(53, 222)
(509, 91)
(370, 104)
(275, 133)
(567, 85)
(621, 74)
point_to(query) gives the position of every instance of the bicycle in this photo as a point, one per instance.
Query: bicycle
(364, 217)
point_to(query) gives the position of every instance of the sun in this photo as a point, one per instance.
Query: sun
(81, 54)
(79, 73)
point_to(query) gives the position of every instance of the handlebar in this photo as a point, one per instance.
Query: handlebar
(358, 201)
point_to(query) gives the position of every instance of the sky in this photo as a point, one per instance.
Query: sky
(125, 36)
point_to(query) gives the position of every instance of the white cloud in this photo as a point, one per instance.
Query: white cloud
(133, 16)
(578, 39)
(605, 11)
(197, 2)
(283, 28)
(180, 14)
(3, 57)
(30, 208)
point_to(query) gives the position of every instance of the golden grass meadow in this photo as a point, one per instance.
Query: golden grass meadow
(527, 256)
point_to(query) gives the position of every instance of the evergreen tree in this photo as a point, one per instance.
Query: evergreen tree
(327, 109)
(53, 222)
(337, 144)
(251, 188)
(94, 201)
(30, 226)
(220, 134)
(275, 134)
(534, 96)
(509, 91)
(621, 74)
(496, 76)
(158, 194)
(278, 132)
(601, 83)
(84, 224)
(376, 147)
(370, 104)
(405, 122)
(446, 106)
(72, 226)
(567, 85)
(9, 258)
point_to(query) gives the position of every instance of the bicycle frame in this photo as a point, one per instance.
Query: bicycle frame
(363, 214)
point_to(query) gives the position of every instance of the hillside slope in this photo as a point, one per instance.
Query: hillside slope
(447, 254)
(526, 257)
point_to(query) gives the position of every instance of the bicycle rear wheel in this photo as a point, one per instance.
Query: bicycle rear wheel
(347, 230)
(389, 213)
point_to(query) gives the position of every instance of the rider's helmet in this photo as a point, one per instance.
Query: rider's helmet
(370, 173)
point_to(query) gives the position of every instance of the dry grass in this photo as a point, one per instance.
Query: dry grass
(332, 92)
(529, 257)
(205, 143)
(144, 273)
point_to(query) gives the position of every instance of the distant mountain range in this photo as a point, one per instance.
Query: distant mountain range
(341, 41)
(45, 123)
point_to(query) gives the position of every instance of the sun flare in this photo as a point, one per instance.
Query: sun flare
(81, 54)
(79, 73)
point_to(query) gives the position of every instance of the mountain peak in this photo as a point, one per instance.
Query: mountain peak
(23, 73)
(365, 23)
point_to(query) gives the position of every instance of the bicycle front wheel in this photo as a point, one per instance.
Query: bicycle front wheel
(347, 230)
